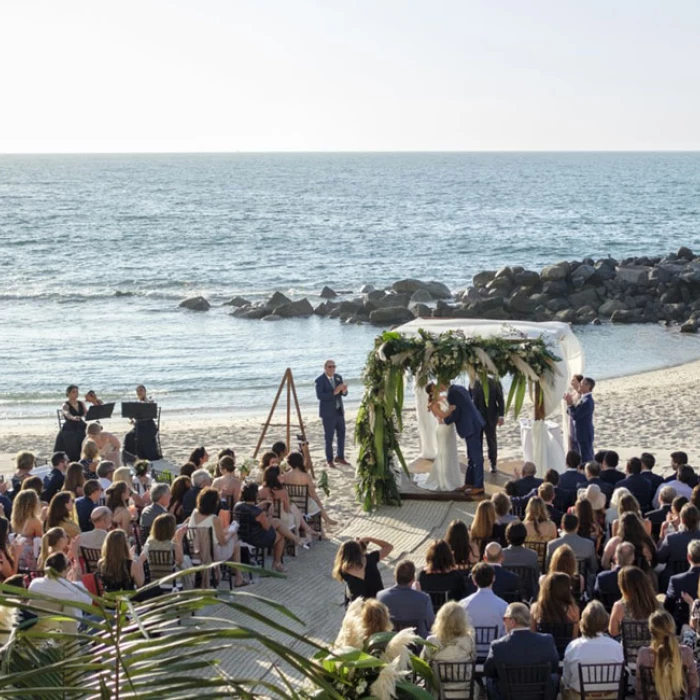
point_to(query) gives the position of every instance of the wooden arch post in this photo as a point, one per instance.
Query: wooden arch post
(287, 380)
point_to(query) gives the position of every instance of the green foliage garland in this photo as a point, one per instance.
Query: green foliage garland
(428, 356)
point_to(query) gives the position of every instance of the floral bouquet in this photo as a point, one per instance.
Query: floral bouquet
(247, 467)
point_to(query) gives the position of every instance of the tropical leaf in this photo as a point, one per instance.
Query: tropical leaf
(520, 395)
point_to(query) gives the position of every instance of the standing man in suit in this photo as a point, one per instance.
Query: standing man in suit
(330, 390)
(684, 587)
(469, 424)
(582, 413)
(519, 646)
(492, 413)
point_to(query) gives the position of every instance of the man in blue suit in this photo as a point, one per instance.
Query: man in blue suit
(519, 647)
(469, 424)
(607, 588)
(675, 601)
(582, 413)
(637, 484)
(330, 390)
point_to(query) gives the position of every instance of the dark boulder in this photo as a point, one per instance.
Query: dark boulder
(195, 304)
(277, 299)
(327, 293)
(555, 288)
(627, 316)
(481, 279)
(552, 273)
(237, 301)
(390, 316)
(527, 278)
(685, 253)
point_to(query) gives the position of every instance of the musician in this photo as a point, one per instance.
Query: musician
(142, 440)
(70, 437)
(91, 397)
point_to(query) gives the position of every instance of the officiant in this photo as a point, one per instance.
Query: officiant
(492, 413)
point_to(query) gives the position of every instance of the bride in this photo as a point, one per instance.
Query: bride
(445, 474)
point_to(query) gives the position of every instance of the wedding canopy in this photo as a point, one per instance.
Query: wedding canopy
(547, 453)
(539, 357)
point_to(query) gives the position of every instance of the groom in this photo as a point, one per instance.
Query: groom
(469, 424)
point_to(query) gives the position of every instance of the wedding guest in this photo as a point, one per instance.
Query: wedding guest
(74, 480)
(160, 500)
(675, 602)
(181, 485)
(53, 483)
(108, 445)
(105, 472)
(464, 551)
(297, 475)
(673, 668)
(87, 503)
(123, 475)
(492, 411)
(683, 484)
(674, 548)
(546, 493)
(612, 513)
(188, 469)
(228, 484)
(9, 554)
(90, 457)
(54, 540)
(610, 474)
(596, 498)
(358, 569)
(592, 471)
(678, 461)
(629, 504)
(483, 527)
(573, 477)
(537, 522)
(583, 548)
(517, 555)
(520, 643)
(673, 518)
(118, 567)
(638, 599)
(632, 530)
(70, 437)
(201, 479)
(405, 603)
(607, 587)
(60, 514)
(506, 584)
(485, 608)
(27, 526)
(62, 583)
(638, 485)
(659, 516)
(273, 491)
(141, 483)
(555, 605)
(165, 536)
(648, 462)
(225, 452)
(501, 503)
(440, 573)
(280, 449)
(199, 457)
(118, 503)
(330, 390)
(101, 519)
(24, 463)
(582, 413)
(593, 647)
(363, 619)
(564, 562)
(528, 481)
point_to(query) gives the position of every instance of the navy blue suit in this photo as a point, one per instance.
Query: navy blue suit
(655, 479)
(582, 414)
(469, 424)
(674, 603)
(673, 551)
(526, 484)
(606, 588)
(506, 584)
(639, 487)
(330, 409)
(520, 647)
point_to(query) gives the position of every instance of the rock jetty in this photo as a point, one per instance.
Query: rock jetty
(631, 290)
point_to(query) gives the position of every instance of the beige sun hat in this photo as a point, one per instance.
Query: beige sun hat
(593, 494)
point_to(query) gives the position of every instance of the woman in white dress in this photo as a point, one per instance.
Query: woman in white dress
(445, 474)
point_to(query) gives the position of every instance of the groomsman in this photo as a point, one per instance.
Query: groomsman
(582, 413)
(491, 413)
(330, 390)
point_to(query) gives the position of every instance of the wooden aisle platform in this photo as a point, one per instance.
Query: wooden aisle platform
(493, 483)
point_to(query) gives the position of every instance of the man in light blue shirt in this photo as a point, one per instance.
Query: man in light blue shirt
(485, 608)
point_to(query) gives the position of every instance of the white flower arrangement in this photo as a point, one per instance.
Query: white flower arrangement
(247, 467)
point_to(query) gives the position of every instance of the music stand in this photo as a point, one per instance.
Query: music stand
(100, 412)
(139, 411)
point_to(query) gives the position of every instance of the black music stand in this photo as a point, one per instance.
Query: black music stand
(100, 412)
(139, 411)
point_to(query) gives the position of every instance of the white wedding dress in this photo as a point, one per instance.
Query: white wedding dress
(445, 474)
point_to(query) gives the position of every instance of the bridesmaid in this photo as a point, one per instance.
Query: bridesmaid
(72, 433)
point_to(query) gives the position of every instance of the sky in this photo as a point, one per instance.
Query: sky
(340, 75)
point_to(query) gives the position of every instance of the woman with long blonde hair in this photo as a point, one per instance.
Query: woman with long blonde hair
(363, 618)
(27, 526)
(118, 502)
(673, 670)
(452, 636)
(539, 525)
(54, 540)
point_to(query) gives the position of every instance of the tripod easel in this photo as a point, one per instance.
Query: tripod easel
(287, 379)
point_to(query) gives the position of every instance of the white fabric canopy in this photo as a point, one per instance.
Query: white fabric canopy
(562, 342)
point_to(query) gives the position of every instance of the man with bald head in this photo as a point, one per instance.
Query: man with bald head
(527, 481)
(506, 584)
(606, 588)
(102, 521)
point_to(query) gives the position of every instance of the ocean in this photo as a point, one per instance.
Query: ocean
(77, 230)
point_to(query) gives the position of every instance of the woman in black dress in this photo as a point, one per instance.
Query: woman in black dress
(142, 441)
(70, 437)
(358, 569)
(440, 574)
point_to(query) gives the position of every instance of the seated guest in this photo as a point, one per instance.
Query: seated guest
(228, 484)
(485, 608)
(573, 477)
(561, 498)
(607, 588)
(674, 548)
(638, 485)
(53, 482)
(546, 493)
(105, 472)
(564, 562)
(61, 514)
(612, 513)
(583, 547)
(501, 503)
(632, 530)
(648, 463)
(678, 461)
(593, 647)
(62, 583)
(9, 555)
(483, 527)
(440, 574)
(687, 582)
(463, 550)
(180, 486)
(272, 490)
(24, 463)
(638, 599)
(165, 536)
(596, 498)
(520, 645)
(160, 500)
(609, 473)
(406, 604)
(555, 604)
(117, 567)
(74, 480)
(517, 555)
(55, 540)
(629, 504)
(672, 666)
(118, 502)
(683, 484)
(298, 476)
(363, 619)
(108, 445)
(187, 469)
(673, 519)
(451, 639)
(199, 457)
(592, 472)
(528, 481)
(658, 517)
(123, 475)
(87, 503)
(537, 522)
(90, 458)
(201, 479)
(280, 449)
(141, 483)
(101, 518)
(358, 569)
(506, 584)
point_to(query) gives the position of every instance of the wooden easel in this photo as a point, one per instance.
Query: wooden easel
(287, 379)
